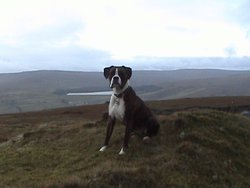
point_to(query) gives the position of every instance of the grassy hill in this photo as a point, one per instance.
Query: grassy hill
(196, 147)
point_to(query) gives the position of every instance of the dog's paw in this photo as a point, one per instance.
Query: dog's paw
(103, 148)
(122, 152)
(146, 138)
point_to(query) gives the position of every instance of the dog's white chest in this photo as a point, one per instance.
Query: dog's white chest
(117, 108)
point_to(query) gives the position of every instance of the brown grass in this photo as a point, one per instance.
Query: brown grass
(59, 148)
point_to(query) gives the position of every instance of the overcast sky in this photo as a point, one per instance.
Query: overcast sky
(90, 34)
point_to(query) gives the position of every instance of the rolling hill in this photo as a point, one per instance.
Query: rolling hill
(38, 90)
(203, 142)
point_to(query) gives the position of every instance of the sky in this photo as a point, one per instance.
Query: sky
(87, 35)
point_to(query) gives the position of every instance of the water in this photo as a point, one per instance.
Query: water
(100, 93)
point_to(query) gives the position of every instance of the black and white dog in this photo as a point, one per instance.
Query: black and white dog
(127, 107)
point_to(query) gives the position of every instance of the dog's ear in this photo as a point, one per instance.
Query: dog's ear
(106, 71)
(128, 71)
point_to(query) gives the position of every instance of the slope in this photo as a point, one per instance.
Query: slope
(59, 148)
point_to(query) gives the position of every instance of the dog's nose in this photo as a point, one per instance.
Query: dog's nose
(116, 78)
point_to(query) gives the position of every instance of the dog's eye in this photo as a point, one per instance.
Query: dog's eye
(122, 75)
(112, 72)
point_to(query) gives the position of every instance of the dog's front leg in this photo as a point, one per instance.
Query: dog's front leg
(126, 138)
(109, 131)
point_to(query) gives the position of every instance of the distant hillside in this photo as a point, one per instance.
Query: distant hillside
(38, 90)
(207, 85)
(30, 91)
(196, 147)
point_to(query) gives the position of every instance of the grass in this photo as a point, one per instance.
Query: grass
(195, 148)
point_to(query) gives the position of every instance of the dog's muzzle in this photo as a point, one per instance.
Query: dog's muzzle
(115, 81)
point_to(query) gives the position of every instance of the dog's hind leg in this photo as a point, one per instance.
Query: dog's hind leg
(152, 128)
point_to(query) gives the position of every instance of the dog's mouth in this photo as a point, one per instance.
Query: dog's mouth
(115, 85)
(115, 82)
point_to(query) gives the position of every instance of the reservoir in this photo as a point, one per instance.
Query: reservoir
(100, 93)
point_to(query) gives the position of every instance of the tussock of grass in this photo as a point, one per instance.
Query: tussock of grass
(195, 148)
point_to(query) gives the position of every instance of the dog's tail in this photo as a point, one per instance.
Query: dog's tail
(153, 127)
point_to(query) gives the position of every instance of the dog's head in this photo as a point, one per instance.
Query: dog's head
(118, 76)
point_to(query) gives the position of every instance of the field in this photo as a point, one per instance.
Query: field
(203, 142)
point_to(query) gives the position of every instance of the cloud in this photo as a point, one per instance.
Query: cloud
(57, 34)
(231, 51)
(87, 35)
(243, 13)
(51, 47)
(67, 58)
(53, 34)
(165, 28)
(230, 63)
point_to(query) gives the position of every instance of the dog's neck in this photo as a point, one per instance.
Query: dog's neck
(119, 92)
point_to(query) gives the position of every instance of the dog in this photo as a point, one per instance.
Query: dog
(127, 107)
